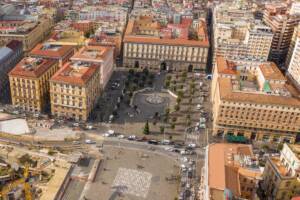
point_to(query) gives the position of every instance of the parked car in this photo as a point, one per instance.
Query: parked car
(88, 141)
(155, 142)
(131, 137)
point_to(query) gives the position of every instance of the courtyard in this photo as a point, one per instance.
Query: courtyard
(168, 101)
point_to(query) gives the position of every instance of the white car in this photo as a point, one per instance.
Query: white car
(192, 145)
(121, 136)
(90, 141)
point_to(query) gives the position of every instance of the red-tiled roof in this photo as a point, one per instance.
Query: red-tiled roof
(68, 75)
(31, 72)
(48, 53)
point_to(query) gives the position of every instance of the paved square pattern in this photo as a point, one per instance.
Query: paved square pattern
(134, 182)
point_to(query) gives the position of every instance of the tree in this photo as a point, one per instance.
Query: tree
(131, 71)
(176, 107)
(173, 126)
(146, 71)
(146, 129)
(174, 119)
(167, 83)
(162, 129)
(178, 100)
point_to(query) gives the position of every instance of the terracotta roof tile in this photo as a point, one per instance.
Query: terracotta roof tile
(32, 67)
(60, 52)
(74, 75)
(226, 93)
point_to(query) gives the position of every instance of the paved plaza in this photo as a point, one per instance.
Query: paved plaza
(131, 181)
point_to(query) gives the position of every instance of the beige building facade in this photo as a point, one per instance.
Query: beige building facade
(144, 46)
(256, 102)
(29, 33)
(281, 176)
(29, 83)
(282, 21)
(74, 90)
(294, 66)
(237, 35)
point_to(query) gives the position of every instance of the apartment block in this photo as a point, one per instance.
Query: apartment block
(281, 176)
(282, 21)
(256, 102)
(29, 83)
(148, 43)
(235, 175)
(29, 32)
(293, 71)
(61, 53)
(10, 55)
(74, 90)
(100, 56)
(238, 35)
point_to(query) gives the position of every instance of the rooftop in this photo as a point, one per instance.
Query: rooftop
(296, 149)
(279, 166)
(75, 73)
(32, 67)
(146, 30)
(92, 53)
(51, 50)
(265, 84)
(226, 161)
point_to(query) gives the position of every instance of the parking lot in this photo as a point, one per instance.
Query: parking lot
(135, 175)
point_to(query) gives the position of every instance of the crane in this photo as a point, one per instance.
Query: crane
(22, 181)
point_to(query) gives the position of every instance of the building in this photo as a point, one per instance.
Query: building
(282, 20)
(230, 172)
(238, 35)
(67, 37)
(114, 41)
(29, 32)
(255, 101)
(292, 46)
(29, 83)
(99, 55)
(10, 55)
(148, 43)
(85, 26)
(294, 65)
(74, 90)
(61, 53)
(281, 176)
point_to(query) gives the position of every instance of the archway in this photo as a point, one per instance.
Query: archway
(190, 68)
(163, 66)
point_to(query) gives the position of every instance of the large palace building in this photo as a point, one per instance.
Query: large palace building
(254, 101)
(176, 46)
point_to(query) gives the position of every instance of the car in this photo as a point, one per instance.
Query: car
(176, 150)
(121, 136)
(89, 127)
(155, 142)
(131, 137)
(88, 141)
(183, 152)
(75, 124)
(76, 142)
(165, 142)
(192, 145)
(15, 112)
(107, 135)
